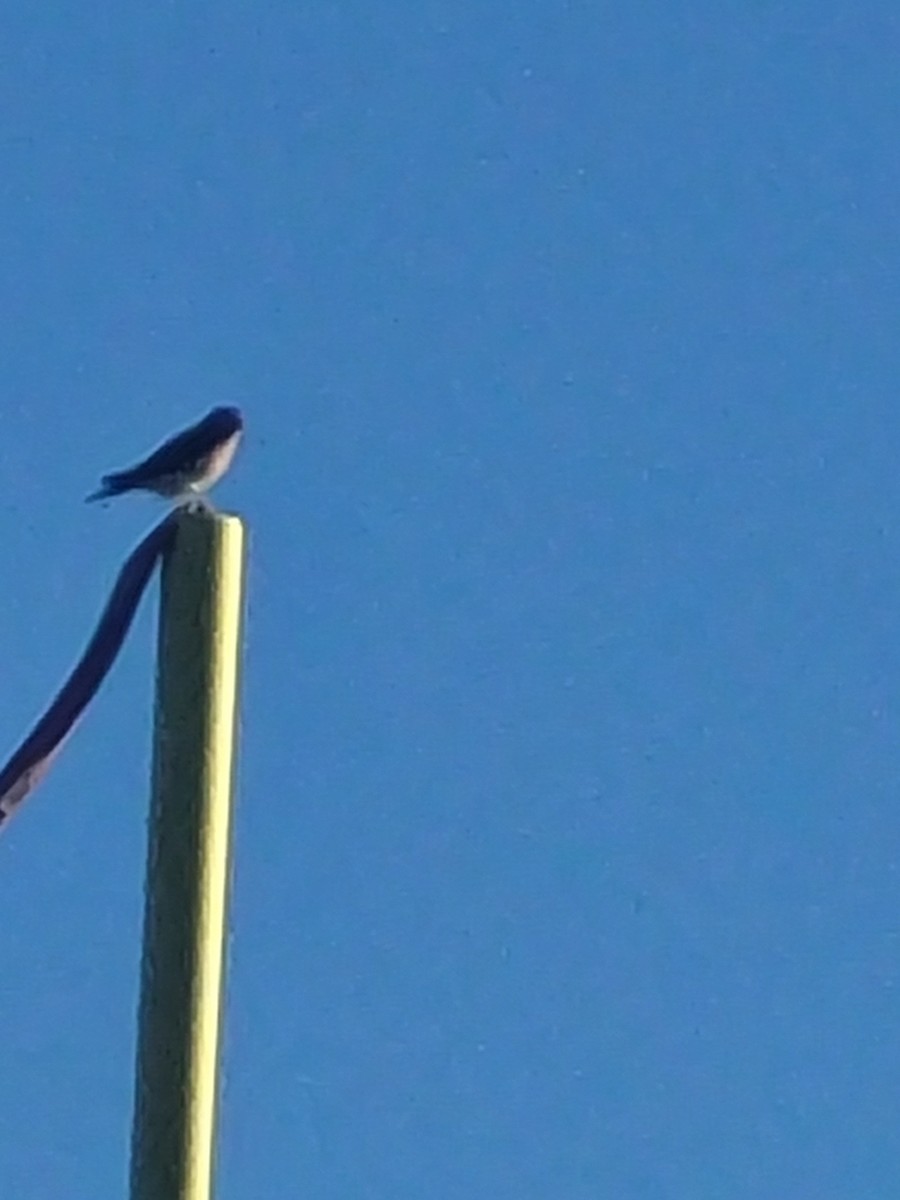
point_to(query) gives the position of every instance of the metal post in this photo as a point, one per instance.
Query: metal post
(188, 863)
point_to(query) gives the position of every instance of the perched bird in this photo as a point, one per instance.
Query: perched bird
(186, 465)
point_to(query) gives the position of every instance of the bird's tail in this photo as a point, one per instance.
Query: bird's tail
(113, 485)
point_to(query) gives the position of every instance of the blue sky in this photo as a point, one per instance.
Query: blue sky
(567, 833)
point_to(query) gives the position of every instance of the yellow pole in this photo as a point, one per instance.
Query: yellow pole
(188, 864)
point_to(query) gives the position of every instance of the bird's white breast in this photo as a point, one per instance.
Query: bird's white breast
(216, 463)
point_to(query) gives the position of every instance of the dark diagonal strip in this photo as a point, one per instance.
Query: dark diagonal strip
(28, 765)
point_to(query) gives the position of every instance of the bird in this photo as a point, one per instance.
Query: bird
(186, 464)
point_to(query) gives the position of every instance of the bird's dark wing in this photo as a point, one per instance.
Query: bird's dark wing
(178, 453)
